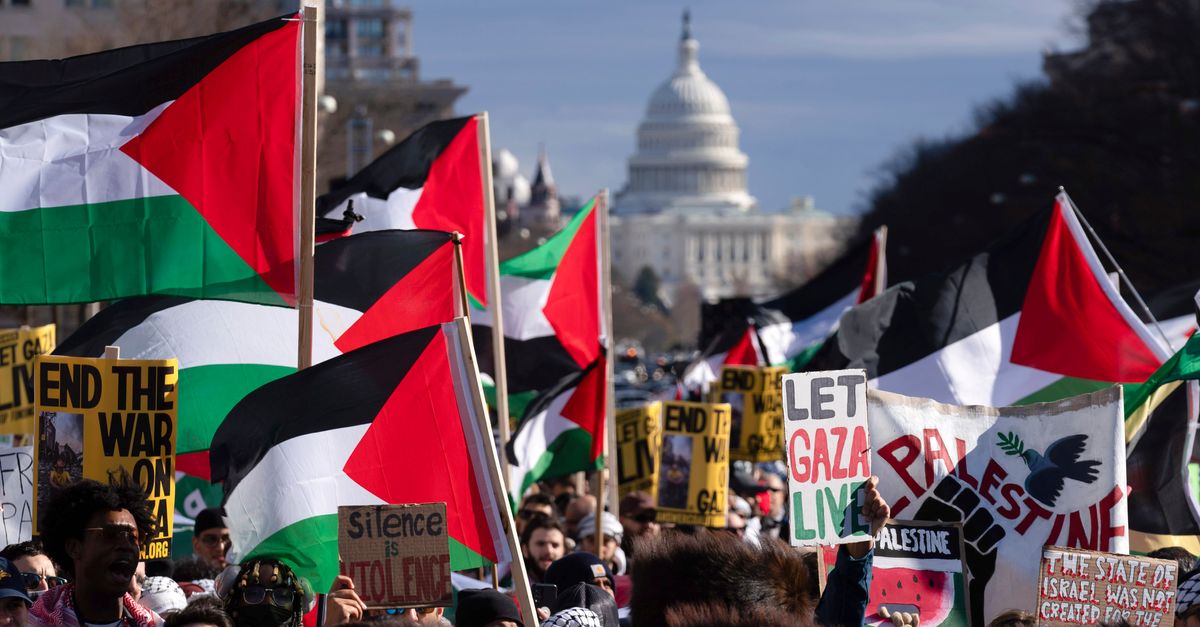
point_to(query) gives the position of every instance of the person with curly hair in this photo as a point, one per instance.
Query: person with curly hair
(94, 532)
(265, 592)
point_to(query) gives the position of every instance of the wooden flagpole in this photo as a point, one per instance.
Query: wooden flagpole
(308, 187)
(460, 279)
(881, 263)
(610, 404)
(500, 373)
(521, 586)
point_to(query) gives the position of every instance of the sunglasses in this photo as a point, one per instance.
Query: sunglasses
(33, 581)
(215, 540)
(112, 534)
(279, 597)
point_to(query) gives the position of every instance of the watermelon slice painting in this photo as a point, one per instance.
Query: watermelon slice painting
(918, 569)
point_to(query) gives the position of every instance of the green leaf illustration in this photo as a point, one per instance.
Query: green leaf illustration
(1010, 443)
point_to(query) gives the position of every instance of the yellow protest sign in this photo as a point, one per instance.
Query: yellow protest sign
(756, 403)
(693, 475)
(102, 418)
(18, 347)
(638, 437)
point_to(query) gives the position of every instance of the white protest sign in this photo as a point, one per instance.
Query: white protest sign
(828, 455)
(16, 493)
(1017, 478)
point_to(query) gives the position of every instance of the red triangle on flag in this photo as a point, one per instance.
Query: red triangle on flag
(573, 303)
(1069, 324)
(424, 297)
(415, 451)
(743, 353)
(228, 146)
(588, 403)
(452, 200)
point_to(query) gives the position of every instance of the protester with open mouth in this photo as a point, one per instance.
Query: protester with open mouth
(94, 532)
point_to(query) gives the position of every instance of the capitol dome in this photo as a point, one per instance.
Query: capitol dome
(687, 146)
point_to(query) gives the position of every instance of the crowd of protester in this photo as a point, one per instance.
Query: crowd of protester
(84, 569)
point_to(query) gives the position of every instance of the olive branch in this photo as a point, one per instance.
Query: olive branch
(1011, 444)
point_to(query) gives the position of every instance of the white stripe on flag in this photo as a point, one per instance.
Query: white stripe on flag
(297, 479)
(481, 451)
(534, 439)
(976, 370)
(394, 212)
(788, 339)
(524, 300)
(81, 154)
(256, 334)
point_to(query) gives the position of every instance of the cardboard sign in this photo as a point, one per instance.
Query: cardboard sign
(693, 475)
(102, 418)
(639, 435)
(756, 411)
(18, 348)
(397, 555)
(16, 493)
(828, 455)
(918, 569)
(1018, 478)
(1085, 587)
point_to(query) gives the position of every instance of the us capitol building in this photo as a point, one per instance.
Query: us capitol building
(685, 211)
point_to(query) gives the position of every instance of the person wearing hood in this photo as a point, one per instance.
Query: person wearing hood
(486, 608)
(94, 531)
(577, 568)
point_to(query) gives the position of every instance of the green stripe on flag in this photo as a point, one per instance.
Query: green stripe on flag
(309, 546)
(110, 250)
(570, 452)
(1183, 365)
(207, 393)
(542, 262)
(1064, 387)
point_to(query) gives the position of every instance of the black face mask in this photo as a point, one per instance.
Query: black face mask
(262, 615)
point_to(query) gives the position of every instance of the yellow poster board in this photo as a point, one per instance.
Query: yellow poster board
(102, 418)
(639, 435)
(18, 348)
(693, 476)
(755, 398)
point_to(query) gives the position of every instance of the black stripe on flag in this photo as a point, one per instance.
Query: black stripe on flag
(125, 81)
(542, 403)
(1159, 501)
(914, 319)
(724, 322)
(345, 391)
(404, 165)
(107, 326)
(356, 271)
(534, 364)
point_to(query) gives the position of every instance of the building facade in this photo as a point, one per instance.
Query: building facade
(686, 212)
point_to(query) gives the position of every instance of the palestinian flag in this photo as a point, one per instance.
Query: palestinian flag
(165, 168)
(562, 431)
(391, 422)
(367, 288)
(431, 180)
(788, 329)
(1033, 318)
(552, 311)
(1160, 427)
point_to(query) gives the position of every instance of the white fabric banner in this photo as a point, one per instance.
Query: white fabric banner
(1018, 478)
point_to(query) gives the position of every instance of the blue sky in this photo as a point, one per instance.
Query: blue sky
(824, 92)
